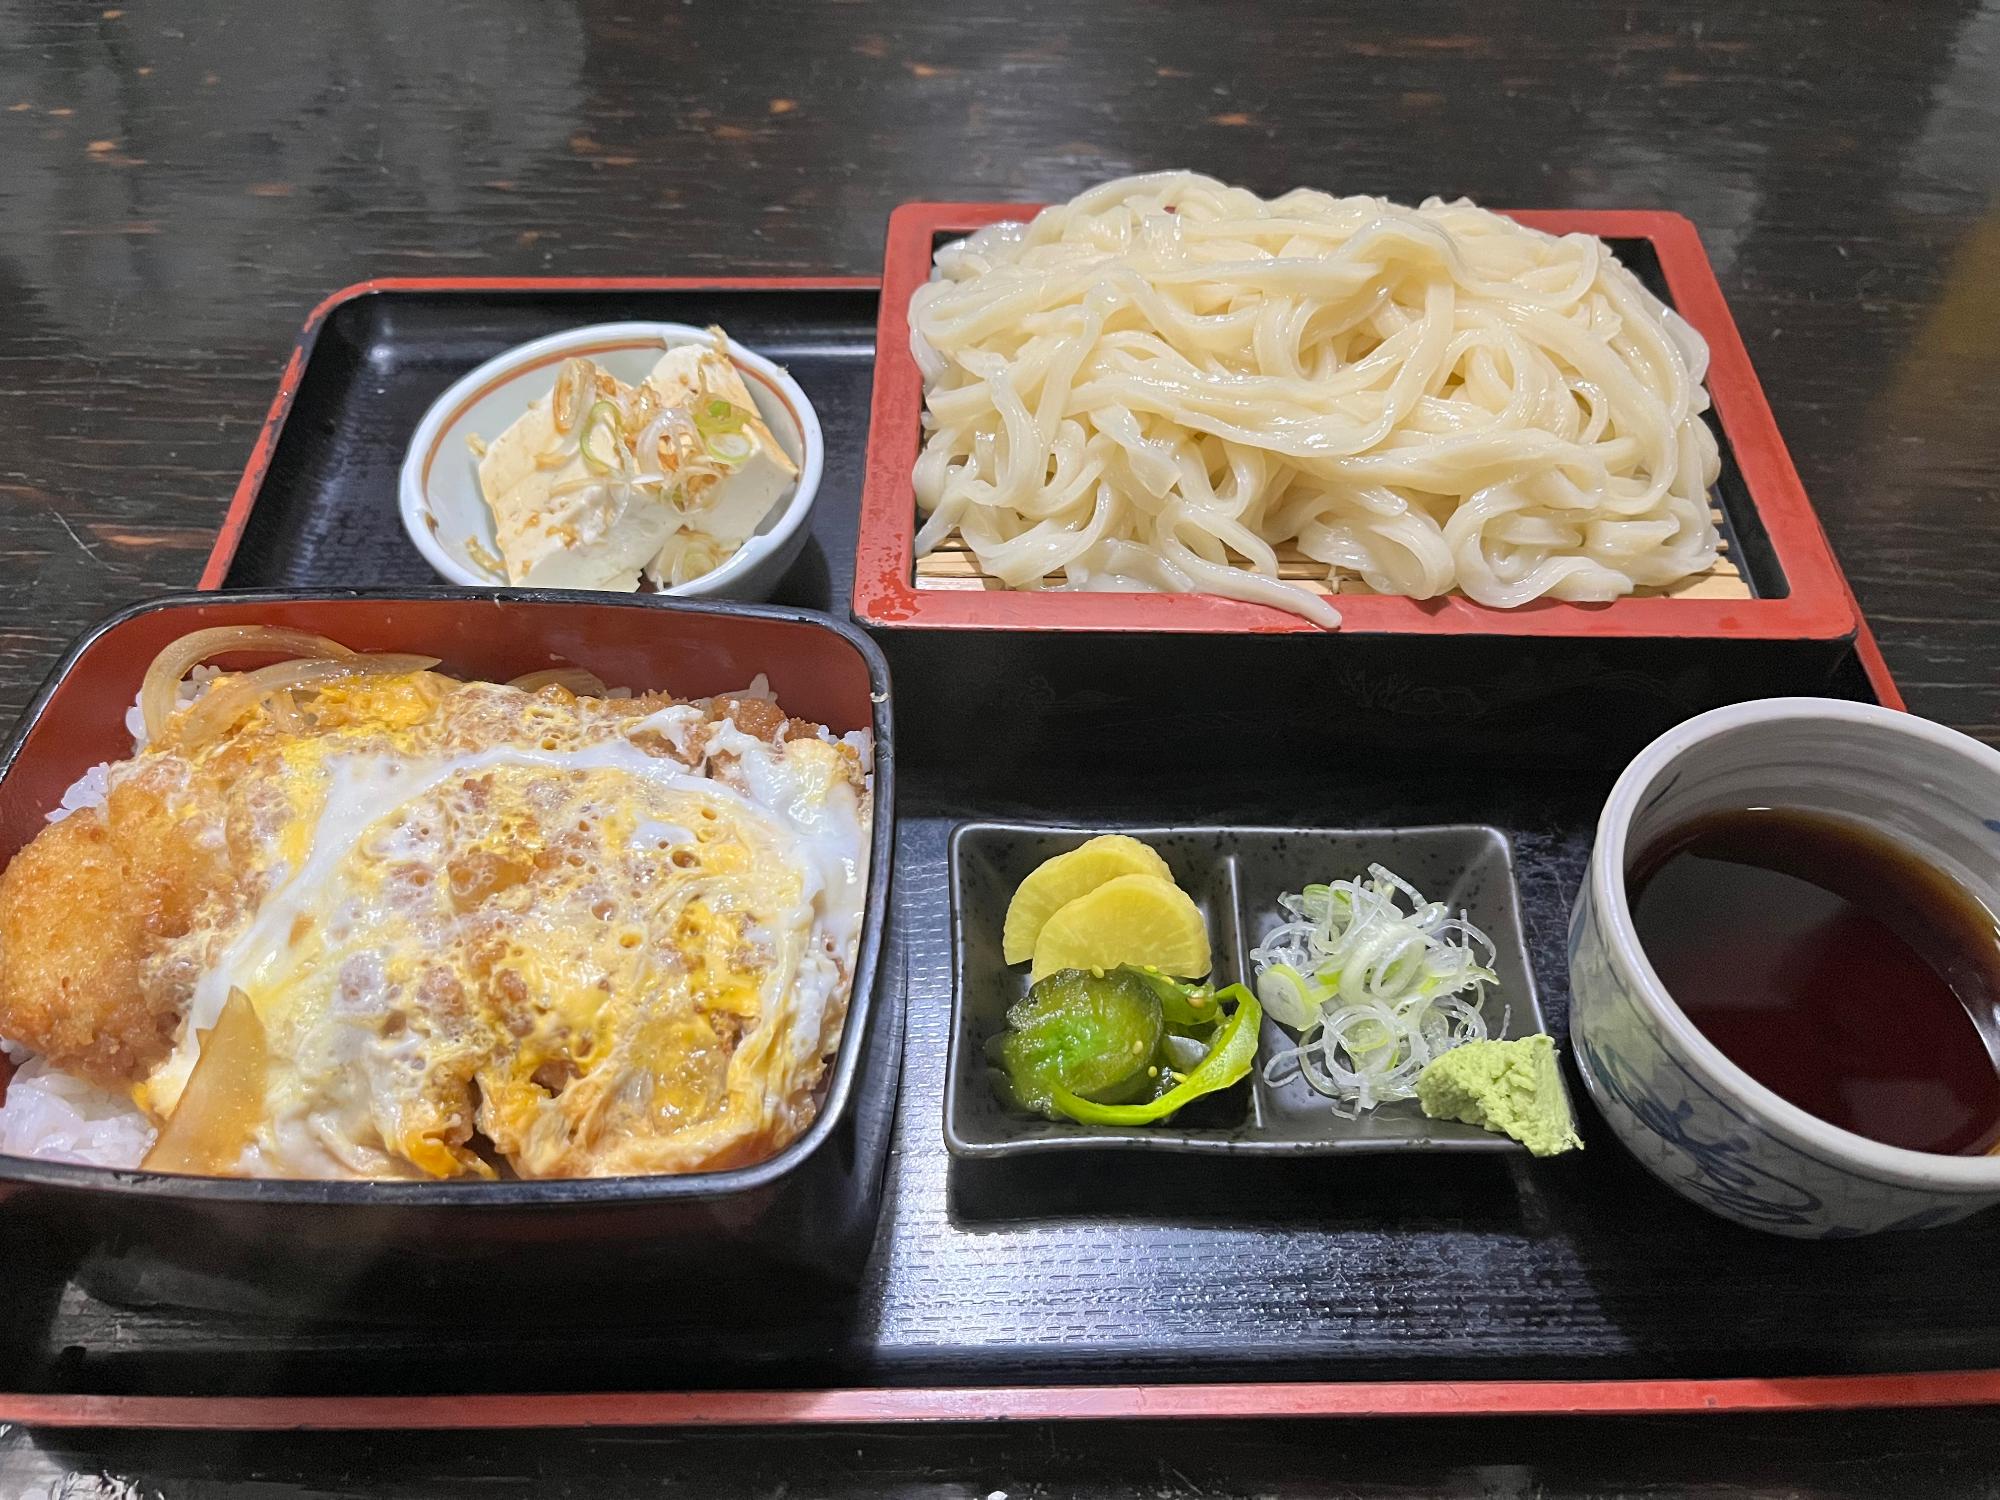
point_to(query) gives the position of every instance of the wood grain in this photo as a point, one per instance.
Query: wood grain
(179, 185)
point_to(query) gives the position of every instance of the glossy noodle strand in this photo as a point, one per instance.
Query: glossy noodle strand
(1162, 382)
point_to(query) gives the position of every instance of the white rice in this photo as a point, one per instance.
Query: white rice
(51, 1116)
(88, 790)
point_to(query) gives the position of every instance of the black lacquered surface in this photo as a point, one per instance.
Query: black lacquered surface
(1942, 1455)
(180, 187)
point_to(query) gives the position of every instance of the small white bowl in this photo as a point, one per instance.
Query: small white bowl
(444, 512)
(1695, 1119)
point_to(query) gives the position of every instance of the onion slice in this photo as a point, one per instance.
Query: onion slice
(223, 1103)
(218, 709)
(159, 695)
(579, 680)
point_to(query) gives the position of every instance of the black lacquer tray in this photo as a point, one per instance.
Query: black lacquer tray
(1118, 1283)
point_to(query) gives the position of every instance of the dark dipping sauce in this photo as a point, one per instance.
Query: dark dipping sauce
(1835, 967)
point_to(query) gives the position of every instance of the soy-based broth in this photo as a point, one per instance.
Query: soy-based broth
(1836, 967)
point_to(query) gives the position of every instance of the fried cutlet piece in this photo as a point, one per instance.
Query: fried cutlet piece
(82, 909)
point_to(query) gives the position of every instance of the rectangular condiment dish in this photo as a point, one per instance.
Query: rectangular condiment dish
(1235, 876)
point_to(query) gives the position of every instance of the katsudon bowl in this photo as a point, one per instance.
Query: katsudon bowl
(809, 1208)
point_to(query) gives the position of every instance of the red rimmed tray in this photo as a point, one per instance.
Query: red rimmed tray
(1815, 604)
(1530, 1288)
(856, 1407)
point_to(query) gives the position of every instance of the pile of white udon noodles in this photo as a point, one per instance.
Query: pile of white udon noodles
(1158, 384)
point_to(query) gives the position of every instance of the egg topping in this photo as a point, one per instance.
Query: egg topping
(461, 929)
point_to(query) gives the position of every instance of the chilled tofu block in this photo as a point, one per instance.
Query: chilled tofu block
(599, 480)
(564, 526)
(718, 514)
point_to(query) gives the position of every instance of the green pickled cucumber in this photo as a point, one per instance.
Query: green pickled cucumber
(1095, 1036)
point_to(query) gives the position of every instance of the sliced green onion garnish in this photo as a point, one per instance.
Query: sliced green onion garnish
(601, 413)
(720, 416)
(1374, 991)
(730, 447)
(1290, 998)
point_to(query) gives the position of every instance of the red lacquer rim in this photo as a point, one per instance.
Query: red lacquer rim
(898, 1405)
(230, 536)
(1818, 606)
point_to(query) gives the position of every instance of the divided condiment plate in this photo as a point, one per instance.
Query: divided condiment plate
(1235, 876)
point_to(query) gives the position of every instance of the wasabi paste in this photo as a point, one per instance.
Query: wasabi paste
(1511, 1088)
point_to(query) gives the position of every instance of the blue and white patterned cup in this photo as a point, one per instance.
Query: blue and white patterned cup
(1697, 1121)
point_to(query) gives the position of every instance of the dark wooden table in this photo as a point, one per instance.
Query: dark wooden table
(179, 185)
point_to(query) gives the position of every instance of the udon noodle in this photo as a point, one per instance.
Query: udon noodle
(1159, 384)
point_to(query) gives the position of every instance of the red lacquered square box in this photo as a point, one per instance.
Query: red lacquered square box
(809, 1210)
(1775, 540)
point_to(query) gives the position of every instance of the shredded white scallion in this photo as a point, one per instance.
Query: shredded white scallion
(1375, 992)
